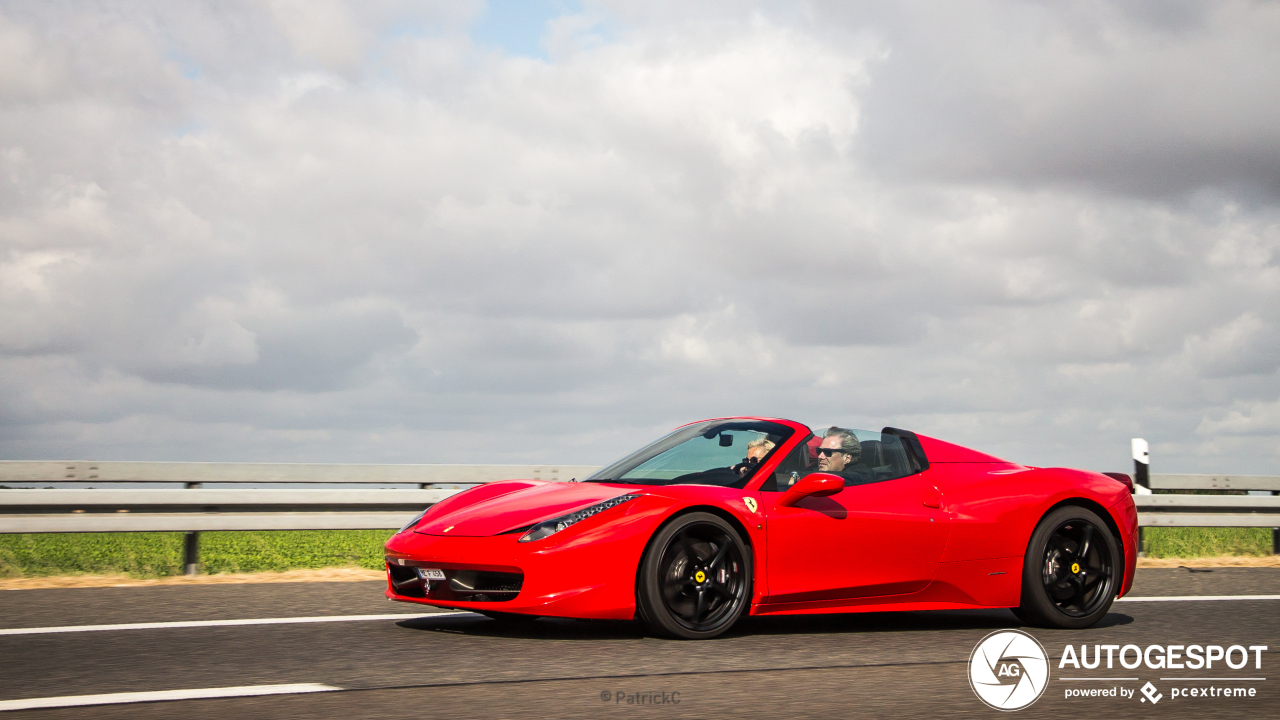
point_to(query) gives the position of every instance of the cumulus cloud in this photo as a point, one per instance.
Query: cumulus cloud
(349, 232)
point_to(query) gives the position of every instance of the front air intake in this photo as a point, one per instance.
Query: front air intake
(407, 580)
(484, 586)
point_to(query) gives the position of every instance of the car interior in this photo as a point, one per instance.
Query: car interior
(882, 458)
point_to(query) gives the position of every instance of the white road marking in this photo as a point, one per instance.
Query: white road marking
(1192, 598)
(162, 695)
(224, 623)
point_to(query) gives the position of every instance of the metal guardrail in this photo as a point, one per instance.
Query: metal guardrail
(197, 473)
(199, 509)
(45, 511)
(196, 508)
(149, 499)
(1256, 509)
(1161, 481)
(193, 522)
(1207, 511)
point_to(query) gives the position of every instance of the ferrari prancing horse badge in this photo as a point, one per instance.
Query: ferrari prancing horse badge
(751, 503)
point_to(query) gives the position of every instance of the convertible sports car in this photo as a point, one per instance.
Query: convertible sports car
(760, 516)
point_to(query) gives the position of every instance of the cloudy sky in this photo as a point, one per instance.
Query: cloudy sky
(309, 230)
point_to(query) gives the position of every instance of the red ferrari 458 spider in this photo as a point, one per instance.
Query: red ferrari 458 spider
(760, 516)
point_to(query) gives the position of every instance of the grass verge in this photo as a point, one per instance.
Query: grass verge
(154, 555)
(1206, 542)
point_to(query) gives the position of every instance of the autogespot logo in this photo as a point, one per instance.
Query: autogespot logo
(1008, 670)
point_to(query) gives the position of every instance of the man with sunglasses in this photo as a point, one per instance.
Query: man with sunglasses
(838, 451)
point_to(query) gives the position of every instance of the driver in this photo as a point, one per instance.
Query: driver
(756, 450)
(838, 451)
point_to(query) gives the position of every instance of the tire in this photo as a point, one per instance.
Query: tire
(695, 578)
(1069, 574)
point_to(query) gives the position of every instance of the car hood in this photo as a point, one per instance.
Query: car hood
(527, 506)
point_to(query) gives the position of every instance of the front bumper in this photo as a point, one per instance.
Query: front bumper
(407, 579)
(589, 575)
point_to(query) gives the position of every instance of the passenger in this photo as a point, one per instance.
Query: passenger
(838, 452)
(756, 450)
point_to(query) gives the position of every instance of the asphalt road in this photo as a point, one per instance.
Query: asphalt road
(465, 666)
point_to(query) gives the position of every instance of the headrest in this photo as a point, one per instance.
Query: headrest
(872, 453)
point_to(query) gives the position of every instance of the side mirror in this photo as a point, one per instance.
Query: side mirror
(813, 485)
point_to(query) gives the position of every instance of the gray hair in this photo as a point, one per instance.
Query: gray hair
(760, 443)
(848, 441)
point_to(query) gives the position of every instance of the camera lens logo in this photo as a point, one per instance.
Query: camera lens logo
(1008, 670)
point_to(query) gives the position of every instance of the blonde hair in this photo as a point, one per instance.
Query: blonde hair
(760, 443)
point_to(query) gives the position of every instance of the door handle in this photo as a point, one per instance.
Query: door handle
(932, 498)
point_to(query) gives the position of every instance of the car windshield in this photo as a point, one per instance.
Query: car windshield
(726, 453)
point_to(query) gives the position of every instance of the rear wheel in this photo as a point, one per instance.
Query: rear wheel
(695, 578)
(1069, 573)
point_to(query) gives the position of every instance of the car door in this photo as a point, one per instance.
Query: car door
(879, 538)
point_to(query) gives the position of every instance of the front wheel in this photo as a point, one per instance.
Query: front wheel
(695, 578)
(1069, 572)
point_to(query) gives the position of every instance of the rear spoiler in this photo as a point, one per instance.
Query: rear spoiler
(1123, 479)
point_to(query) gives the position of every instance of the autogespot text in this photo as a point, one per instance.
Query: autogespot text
(1163, 657)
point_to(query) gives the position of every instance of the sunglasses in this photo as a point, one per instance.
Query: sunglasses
(832, 451)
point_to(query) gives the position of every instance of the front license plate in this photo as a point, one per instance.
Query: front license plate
(430, 574)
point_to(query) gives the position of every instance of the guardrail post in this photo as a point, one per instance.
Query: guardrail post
(1275, 535)
(1141, 482)
(191, 553)
(1141, 462)
(191, 545)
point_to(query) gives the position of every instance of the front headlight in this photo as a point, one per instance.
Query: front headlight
(412, 522)
(555, 525)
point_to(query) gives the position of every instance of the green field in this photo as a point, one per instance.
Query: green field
(160, 554)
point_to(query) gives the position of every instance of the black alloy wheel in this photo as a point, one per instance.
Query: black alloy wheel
(1069, 575)
(695, 578)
